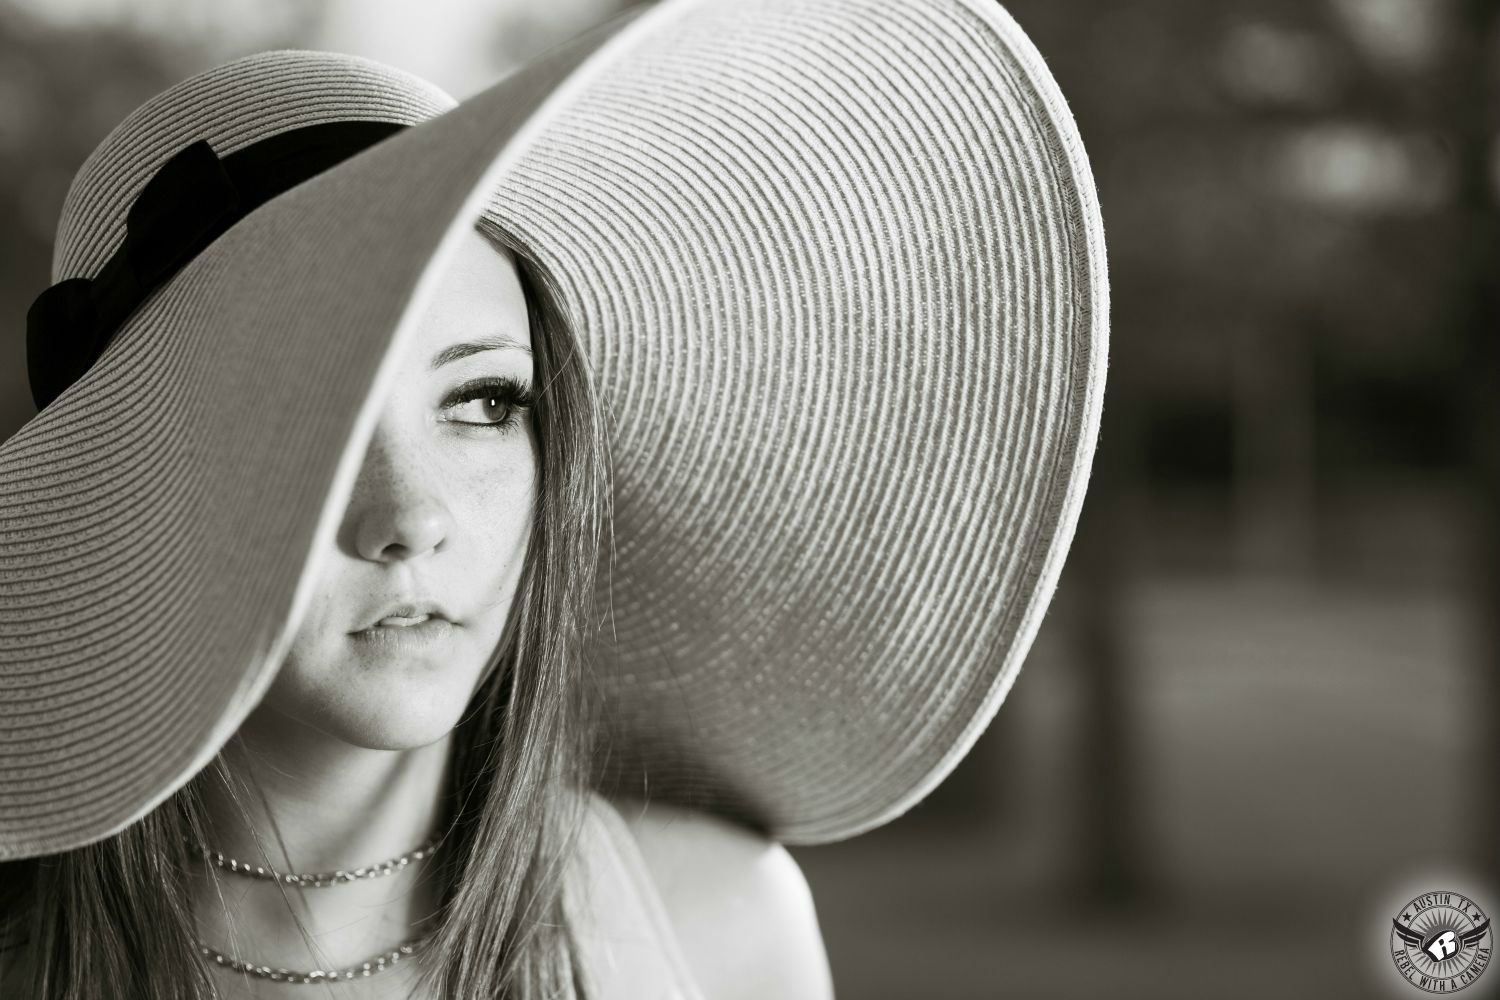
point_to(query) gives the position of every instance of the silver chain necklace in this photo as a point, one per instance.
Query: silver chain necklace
(375, 965)
(316, 880)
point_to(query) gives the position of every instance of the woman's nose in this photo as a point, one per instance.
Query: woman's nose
(396, 511)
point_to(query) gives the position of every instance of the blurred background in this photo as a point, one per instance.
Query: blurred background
(1265, 698)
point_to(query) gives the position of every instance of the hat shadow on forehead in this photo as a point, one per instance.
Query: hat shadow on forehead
(230, 106)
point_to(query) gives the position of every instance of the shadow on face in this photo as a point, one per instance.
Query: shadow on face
(409, 608)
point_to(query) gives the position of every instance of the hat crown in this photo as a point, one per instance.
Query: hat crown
(231, 106)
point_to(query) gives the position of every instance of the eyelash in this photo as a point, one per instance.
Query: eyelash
(515, 395)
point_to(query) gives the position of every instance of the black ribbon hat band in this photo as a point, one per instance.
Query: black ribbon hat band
(191, 200)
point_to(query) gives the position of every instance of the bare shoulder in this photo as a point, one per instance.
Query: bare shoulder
(739, 903)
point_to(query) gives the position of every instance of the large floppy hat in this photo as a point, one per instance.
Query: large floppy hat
(839, 272)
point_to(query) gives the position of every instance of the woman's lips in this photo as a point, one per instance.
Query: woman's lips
(403, 611)
(403, 622)
(404, 634)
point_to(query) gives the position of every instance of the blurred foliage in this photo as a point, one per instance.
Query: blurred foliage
(1276, 170)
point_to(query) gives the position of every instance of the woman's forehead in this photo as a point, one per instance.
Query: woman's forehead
(479, 305)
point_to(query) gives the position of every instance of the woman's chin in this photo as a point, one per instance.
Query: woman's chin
(377, 699)
(398, 719)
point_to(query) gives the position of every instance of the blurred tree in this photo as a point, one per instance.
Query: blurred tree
(1297, 196)
(1476, 124)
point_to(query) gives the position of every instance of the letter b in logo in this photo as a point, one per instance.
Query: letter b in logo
(1442, 946)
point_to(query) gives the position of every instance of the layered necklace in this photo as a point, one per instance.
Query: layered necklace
(374, 965)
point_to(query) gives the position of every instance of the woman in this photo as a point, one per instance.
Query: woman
(357, 750)
(307, 672)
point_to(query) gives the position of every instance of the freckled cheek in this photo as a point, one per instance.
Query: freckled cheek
(496, 503)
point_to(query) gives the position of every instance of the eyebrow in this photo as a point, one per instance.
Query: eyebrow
(457, 351)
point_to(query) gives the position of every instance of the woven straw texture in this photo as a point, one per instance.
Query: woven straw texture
(840, 270)
(156, 518)
(838, 267)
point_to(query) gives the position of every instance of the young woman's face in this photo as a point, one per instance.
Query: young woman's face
(438, 522)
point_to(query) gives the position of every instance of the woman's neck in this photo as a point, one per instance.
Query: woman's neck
(317, 804)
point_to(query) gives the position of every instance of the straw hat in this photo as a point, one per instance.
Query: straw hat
(839, 271)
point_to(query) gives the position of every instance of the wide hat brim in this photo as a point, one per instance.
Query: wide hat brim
(839, 272)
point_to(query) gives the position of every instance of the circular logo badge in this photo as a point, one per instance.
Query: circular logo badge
(1441, 942)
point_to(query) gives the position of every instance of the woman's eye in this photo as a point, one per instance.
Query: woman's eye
(493, 403)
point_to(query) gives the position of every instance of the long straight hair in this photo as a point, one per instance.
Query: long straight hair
(114, 919)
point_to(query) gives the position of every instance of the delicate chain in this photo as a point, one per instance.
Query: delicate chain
(317, 880)
(374, 966)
